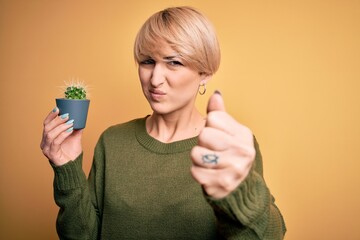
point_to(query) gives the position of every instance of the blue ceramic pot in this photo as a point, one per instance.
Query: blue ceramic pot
(76, 108)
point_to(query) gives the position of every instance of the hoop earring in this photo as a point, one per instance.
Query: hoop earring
(203, 91)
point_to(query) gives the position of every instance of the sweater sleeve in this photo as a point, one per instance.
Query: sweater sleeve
(249, 212)
(78, 217)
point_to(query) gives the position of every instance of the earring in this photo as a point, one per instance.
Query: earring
(203, 91)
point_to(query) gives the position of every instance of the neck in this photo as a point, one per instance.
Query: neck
(176, 126)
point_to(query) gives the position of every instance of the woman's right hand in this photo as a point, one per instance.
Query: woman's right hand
(60, 143)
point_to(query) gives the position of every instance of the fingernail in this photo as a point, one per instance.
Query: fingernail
(55, 109)
(64, 116)
(70, 122)
(70, 129)
(217, 92)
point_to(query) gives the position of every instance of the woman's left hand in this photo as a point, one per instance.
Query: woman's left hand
(225, 151)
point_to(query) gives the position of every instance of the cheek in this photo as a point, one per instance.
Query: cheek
(143, 75)
(190, 82)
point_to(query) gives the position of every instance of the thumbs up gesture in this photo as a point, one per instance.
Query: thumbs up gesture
(225, 151)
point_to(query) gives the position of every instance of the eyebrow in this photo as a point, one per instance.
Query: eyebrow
(171, 57)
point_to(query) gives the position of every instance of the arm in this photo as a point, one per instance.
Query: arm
(249, 212)
(227, 163)
(78, 215)
(80, 200)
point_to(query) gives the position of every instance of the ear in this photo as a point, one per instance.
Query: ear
(204, 78)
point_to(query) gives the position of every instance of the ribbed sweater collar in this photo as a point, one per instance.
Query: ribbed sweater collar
(156, 146)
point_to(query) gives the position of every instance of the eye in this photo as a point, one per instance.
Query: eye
(175, 63)
(148, 61)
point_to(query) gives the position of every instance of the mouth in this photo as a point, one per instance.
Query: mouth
(156, 94)
(156, 91)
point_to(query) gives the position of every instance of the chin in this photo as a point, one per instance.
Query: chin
(161, 109)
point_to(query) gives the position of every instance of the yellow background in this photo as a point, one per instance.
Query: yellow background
(290, 71)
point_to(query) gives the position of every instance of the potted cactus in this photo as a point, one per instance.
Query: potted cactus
(74, 103)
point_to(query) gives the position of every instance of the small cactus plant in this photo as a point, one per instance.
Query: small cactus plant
(74, 103)
(75, 91)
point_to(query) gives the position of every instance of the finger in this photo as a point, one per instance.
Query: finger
(49, 126)
(214, 139)
(205, 158)
(66, 147)
(53, 114)
(51, 122)
(222, 121)
(56, 144)
(203, 176)
(49, 137)
(217, 116)
(216, 183)
(216, 103)
(53, 151)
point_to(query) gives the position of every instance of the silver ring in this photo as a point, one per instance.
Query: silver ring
(210, 158)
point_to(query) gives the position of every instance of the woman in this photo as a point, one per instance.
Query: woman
(174, 174)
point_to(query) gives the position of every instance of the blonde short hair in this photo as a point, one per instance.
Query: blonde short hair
(187, 31)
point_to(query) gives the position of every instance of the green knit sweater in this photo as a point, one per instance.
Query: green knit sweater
(141, 188)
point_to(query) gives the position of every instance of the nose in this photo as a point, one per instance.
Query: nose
(158, 75)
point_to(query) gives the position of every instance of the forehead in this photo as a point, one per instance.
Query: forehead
(160, 49)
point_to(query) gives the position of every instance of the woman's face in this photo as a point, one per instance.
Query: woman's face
(168, 83)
